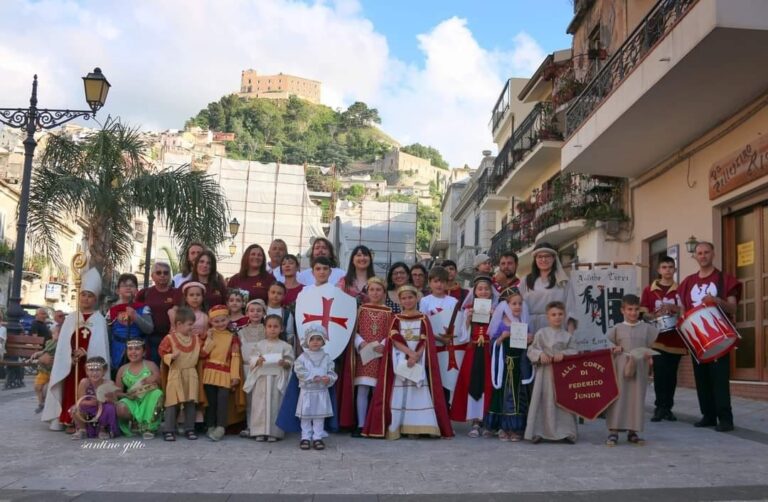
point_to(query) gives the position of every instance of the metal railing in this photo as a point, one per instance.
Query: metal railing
(501, 107)
(567, 198)
(536, 127)
(654, 27)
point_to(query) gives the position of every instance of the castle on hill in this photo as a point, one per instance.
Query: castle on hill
(280, 86)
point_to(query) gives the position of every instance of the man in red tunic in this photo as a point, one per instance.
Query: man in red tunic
(712, 286)
(506, 276)
(90, 340)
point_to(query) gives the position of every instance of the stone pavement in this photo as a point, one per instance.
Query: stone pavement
(678, 462)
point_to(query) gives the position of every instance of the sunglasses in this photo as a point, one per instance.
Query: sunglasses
(162, 272)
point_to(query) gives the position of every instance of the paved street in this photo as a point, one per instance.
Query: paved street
(39, 464)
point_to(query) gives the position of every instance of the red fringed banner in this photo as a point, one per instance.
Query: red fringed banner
(585, 384)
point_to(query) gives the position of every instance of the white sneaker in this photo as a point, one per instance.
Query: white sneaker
(56, 425)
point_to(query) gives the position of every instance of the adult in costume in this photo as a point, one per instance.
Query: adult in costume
(506, 276)
(712, 286)
(83, 335)
(546, 283)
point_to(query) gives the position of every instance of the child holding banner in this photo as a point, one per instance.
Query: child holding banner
(546, 420)
(632, 340)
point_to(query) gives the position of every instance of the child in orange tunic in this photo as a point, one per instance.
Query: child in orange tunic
(222, 370)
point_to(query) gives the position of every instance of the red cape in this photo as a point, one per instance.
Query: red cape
(461, 393)
(379, 412)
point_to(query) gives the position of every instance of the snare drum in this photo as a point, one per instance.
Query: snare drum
(707, 332)
(666, 323)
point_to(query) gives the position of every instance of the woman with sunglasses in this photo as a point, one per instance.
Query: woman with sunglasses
(160, 298)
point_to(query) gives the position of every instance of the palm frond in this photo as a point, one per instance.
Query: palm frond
(191, 204)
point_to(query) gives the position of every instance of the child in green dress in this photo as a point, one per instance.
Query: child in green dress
(140, 399)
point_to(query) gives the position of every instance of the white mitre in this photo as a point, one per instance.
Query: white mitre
(91, 281)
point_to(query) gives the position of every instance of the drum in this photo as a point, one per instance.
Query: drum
(707, 332)
(666, 323)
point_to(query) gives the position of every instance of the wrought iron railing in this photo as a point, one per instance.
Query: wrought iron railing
(501, 107)
(654, 27)
(567, 198)
(537, 126)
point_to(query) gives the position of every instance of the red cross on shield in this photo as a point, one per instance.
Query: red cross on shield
(330, 307)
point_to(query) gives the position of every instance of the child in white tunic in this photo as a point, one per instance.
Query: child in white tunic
(314, 370)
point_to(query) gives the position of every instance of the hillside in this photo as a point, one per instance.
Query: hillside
(296, 131)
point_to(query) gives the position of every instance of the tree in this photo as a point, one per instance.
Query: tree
(426, 152)
(359, 115)
(427, 226)
(356, 192)
(105, 181)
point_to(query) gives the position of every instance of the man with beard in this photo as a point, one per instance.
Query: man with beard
(506, 276)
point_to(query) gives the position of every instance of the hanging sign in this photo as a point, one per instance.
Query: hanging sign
(739, 168)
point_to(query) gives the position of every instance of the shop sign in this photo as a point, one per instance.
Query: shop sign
(739, 168)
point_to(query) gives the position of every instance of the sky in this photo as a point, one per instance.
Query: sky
(433, 68)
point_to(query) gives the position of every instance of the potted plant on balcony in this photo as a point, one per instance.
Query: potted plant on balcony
(567, 89)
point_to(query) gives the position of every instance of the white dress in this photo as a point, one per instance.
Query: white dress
(413, 411)
(314, 399)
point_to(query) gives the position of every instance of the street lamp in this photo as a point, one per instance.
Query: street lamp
(690, 244)
(234, 227)
(32, 119)
(232, 249)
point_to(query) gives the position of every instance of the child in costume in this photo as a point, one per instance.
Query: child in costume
(126, 319)
(632, 341)
(222, 371)
(275, 297)
(472, 396)
(180, 351)
(442, 310)
(270, 362)
(250, 335)
(373, 320)
(140, 399)
(546, 420)
(193, 294)
(82, 335)
(314, 370)
(93, 418)
(236, 300)
(44, 366)
(408, 398)
(510, 368)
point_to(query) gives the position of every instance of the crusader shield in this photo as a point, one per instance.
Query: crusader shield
(449, 356)
(331, 307)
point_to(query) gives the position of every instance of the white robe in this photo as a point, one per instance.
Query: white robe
(62, 360)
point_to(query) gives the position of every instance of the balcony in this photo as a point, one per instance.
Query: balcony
(466, 258)
(534, 145)
(501, 108)
(485, 195)
(561, 211)
(689, 65)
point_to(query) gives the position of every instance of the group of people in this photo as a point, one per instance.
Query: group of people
(197, 354)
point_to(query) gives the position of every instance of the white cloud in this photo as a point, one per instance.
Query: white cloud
(168, 59)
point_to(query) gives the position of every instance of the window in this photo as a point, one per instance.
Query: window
(477, 230)
(461, 240)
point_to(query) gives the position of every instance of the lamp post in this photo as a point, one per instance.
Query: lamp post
(234, 228)
(690, 244)
(32, 119)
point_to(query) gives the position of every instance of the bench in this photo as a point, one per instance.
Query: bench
(18, 350)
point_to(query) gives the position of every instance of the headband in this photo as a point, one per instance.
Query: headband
(257, 301)
(218, 310)
(134, 342)
(407, 287)
(95, 365)
(191, 284)
(377, 280)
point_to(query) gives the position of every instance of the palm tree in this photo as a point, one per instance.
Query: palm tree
(106, 181)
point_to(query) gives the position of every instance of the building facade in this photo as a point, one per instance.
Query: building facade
(280, 86)
(674, 101)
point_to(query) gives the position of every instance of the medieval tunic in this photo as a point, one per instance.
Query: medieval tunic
(265, 386)
(536, 300)
(182, 381)
(399, 405)
(249, 336)
(472, 396)
(627, 412)
(449, 356)
(545, 418)
(222, 362)
(314, 399)
(372, 326)
(62, 388)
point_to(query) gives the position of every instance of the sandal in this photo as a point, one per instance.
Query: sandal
(104, 435)
(514, 437)
(245, 433)
(318, 444)
(191, 435)
(304, 444)
(169, 436)
(475, 432)
(536, 439)
(78, 435)
(633, 438)
(503, 436)
(148, 435)
(488, 433)
(612, 440)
